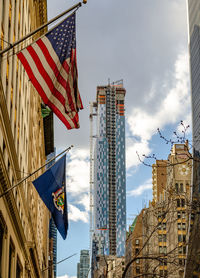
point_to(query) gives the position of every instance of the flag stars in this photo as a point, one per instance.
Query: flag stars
(63, 39)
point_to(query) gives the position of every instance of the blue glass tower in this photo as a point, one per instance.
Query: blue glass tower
(192, 269)
(84, 265)
(109, 170)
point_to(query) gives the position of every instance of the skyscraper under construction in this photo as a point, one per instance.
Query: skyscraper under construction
(108, 180)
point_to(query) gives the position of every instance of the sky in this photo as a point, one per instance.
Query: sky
(145, 43)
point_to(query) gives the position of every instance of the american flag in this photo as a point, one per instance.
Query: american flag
(50, 63)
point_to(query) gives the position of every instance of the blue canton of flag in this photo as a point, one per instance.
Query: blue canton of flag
(63, 38)
(52, 190)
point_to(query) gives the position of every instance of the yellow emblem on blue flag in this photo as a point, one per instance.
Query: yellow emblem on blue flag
(59, 199)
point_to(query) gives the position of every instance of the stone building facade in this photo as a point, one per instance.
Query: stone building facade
(166, 221)
(164, 226)
(134, 244)
(24, 219)
(115, 267)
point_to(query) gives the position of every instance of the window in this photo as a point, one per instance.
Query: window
(178, 203)
(137, 269)
(162, 249)
(178, 214)
(18, 269)
(162, 238)
(183, 226)
(11, 258)
(183, 203)
(137, 251)
(2, 230)
(176, 187)
(137, 261)
(179, 226)
(137, 241)
(179, 238)
(163, 262)
(181, 187)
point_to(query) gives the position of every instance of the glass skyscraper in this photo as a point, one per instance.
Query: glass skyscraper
(84, 265)
(109, 194)
(193, 257)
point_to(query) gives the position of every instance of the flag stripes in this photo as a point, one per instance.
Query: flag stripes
(69, 119)
(55, 78)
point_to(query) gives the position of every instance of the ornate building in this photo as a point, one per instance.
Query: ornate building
(24, 219)
(163, 226)
(166, 221)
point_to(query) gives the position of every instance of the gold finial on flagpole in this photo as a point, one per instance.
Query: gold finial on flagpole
(84, 1)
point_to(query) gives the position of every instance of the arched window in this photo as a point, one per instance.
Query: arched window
(176, 187)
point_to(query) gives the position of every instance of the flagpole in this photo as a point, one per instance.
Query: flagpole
(40, 28)
(58, 262)
(31, 174)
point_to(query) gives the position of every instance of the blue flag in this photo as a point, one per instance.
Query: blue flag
(52, 190)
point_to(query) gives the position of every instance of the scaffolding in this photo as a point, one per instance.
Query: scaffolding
(92, 215)
(111, 136)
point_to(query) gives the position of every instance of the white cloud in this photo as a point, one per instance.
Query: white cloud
(174, 107)
(85, 201)
(78, 172)
(135, 146)
(75, 214)
(140, 189)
